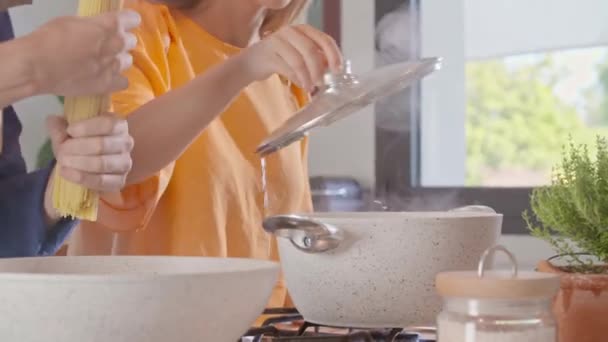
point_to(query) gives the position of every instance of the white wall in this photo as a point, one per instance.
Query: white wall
(33, 112)
(505, 27)
(527, 250)
(347, 148)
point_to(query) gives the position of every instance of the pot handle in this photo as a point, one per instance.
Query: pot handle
(305, 234)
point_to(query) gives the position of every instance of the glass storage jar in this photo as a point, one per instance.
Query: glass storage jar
(497, 306)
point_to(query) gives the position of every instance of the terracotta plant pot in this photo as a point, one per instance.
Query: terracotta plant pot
(581, 306)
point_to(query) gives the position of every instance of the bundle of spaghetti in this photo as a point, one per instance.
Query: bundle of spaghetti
(70, 199)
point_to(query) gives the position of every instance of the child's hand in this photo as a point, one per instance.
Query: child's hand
(94, 153)
(301, 53)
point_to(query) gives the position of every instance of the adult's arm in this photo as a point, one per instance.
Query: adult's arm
(43, 61)
(16, 75)
(16, 79)
(26, 226)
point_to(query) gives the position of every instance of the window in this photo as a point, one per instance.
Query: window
(529, 75)
(516, 61)
(519, 78)
(522, 108)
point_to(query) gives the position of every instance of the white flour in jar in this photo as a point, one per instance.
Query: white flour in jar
(450, 331)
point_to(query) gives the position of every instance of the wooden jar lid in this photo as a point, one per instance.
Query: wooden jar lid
(497, 284)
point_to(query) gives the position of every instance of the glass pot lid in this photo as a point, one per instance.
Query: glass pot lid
(345, 93)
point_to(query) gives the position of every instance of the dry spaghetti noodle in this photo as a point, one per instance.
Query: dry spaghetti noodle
(69, 199)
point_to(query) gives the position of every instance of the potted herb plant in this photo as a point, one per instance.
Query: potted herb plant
(572, 215)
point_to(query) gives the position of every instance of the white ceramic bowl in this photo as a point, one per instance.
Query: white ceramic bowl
(131, 299)
(382, 274)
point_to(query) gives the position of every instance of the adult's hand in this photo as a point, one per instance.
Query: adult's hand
(82, 55)
(95, 153)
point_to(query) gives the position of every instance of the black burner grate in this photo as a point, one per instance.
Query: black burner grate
(273, 331)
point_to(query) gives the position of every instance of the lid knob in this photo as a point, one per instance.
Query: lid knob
(332, 82)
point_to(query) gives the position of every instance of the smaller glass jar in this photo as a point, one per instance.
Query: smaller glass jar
(497, 306)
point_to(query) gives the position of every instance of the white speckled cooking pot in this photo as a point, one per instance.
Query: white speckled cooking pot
(377, 270)
(131, 299)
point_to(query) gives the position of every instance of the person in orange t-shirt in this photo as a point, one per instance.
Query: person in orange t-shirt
(209, 83)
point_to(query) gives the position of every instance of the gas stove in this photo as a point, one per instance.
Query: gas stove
(287, 325)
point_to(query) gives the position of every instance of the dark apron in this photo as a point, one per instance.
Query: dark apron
(11, 160)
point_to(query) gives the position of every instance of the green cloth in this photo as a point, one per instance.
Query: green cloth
(45, 154)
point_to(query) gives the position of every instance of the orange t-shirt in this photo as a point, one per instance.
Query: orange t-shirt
(209, 201)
